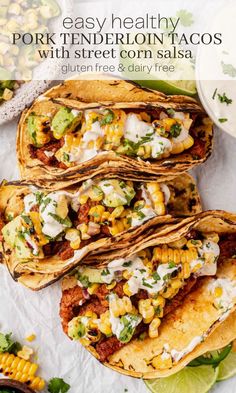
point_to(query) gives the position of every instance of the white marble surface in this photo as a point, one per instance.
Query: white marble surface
(24, 312)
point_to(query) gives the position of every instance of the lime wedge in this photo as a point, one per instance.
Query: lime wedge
(227, 367)
(189, 380)
(187, 87)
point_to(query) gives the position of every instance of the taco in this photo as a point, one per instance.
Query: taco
(46, 233)
(151, 309)
(65, 139)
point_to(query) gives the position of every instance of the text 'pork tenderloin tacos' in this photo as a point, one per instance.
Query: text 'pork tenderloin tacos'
(69, 140)
(146, 312)
(46, 233)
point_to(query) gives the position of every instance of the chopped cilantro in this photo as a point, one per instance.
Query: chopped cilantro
(57, 385)
(224, 99)
(26, 219)
(122, 184)
(64, 221)
(45, 202)
(66, 157)
(145, 283)
(171, 265)
(214, 94)
(223, 120)
(156, 276)
(141, 215)
(175, 130)
(84, 280)
(8, 345)
(157, 310)
(127, 264)
(108, 118)
(105, 272)
(38, 196)
(95, 119)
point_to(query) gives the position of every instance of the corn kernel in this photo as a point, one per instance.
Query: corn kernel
(218, 292)
(127, 290)
(159, 301)
(153, 327)
(96, 212)
(162, 363)
(93, 288)
(176, 283)
(126, 274)
(116, 213)
(111, 285)
(83, 199)
(62, 207)
(31, 338)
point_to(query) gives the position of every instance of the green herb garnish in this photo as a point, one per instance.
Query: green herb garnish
(8, 345)
(108, 118)
(175, 130)
(224, 99)
(57, 385)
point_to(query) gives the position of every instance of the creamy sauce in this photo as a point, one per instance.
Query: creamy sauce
(140, 278)
(116, 323)
(216, 109)
(135, 129)
(228, 297)
(33, 245)
(29, 202)
(178, 355)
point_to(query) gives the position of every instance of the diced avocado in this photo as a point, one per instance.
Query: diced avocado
(76, 329)
(117, 193)
(64, 120)
(10, 231)
(21, 248)
(129, 323)
(93, 275)
(32, 127)
(5, 76)
(38, 127)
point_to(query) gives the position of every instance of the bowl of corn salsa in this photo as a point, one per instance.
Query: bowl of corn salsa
(10, 386)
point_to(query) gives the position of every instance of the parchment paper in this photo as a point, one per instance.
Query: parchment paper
(24, 312)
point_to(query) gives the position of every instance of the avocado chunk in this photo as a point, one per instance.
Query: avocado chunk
(76, 328)
(117, 193)
(10, 231)
(22, 251)
(90, 275)
(65, 120)
(38, 127)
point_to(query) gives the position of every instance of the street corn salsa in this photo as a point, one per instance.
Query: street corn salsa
(63, 222)
(17, 62)
(69, 136)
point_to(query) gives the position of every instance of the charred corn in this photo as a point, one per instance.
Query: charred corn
(21, 370)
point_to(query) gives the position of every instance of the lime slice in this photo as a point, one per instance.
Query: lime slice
(187, 87)
(227, 368)
(190, 379)
(143, 69)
